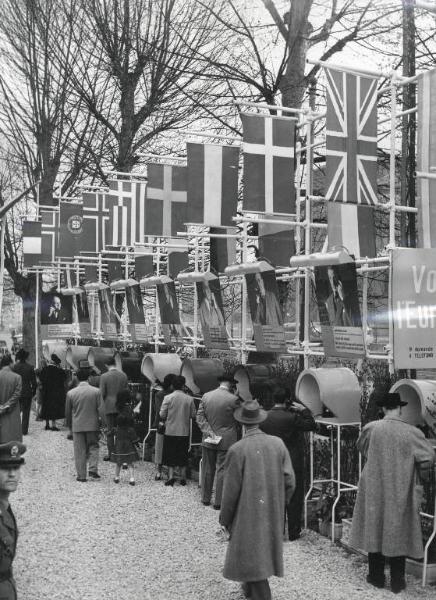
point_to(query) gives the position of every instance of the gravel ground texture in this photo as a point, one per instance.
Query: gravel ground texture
(102, 541)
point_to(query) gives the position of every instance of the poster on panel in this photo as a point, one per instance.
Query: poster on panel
(172, 328)
(135, 309)
(211, 313)
(414, 308)
(339, 311)
(56, 315)
(110, 320)
(82, 310)
(265, 311)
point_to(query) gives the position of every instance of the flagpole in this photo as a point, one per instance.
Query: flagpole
(195, 338)
(244, 297)
(156, 303)
(98, 303)
(308, 241)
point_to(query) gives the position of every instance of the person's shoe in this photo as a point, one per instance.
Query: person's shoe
(94, 475)
(80, 479)
(55, 429)
(47, 427)
(217, 506)
(158, 477)
(116, 480)
(125, 466)
(183, 482)
(378, 583)
(205, 502)
(106, 458)
(294, 536)
(170, 482)
(132, 482)
(245, 587)
(70, 436)
(398, 586)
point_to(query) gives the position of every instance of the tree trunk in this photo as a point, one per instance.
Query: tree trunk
(25, 288)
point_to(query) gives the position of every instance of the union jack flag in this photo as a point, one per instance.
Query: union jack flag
(351, 146)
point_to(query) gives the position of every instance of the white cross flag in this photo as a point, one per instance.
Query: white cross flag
(127, 201)
(166, 200)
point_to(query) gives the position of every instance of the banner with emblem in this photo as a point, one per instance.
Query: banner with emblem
(211, 313)
(339, 311)
(70, 229)
(265, 311)
(56, 315)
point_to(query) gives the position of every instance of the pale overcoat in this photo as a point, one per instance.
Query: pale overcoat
(10, 393)
(258, 479)
(386, 516)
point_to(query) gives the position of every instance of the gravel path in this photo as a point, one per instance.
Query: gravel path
(102, 541)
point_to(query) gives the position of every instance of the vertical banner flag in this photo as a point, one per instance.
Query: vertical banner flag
(351, 144)
(70, 229)
(56, 315)
(90, 274)
(222, 250)
(265, 311)
(126, 200)
(32, 243)
(268, 146)
(169, 311)
(143, 262)
(96, 217)
(426, 160)
(353, 227)
(212, 184)
(83, 319)
(339, 310)
(135, 309)
(165, 211)
(178, 258)
(115, 267)
(110, 321)
(211, 312)
(50, 235)
(276, 243)
(414, 308)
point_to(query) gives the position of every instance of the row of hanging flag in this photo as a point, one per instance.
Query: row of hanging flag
(205, 192)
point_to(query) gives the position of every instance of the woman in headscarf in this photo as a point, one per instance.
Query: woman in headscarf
(53, 392)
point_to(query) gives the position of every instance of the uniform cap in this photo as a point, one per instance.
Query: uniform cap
(11, 454)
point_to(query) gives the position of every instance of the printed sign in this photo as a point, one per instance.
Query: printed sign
(56, 315)
(414, 308)
(339, 310)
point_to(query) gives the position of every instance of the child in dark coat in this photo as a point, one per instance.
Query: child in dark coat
(125, 437)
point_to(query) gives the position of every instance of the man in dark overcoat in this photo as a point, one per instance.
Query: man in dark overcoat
(386, 520)
(111, 382)
(10, 393)
(28, 380)
(289, 424)
(10, 464)
(215, 419)
(258, 481)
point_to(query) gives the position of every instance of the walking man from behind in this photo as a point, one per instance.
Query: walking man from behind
(84, 408)
(28, 381)
(386, 519)
(258, 481)
(218, 426)
(111, 382)
(10, 394)
(10, 464)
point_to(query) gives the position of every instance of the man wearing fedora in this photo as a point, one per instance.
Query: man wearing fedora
(10, 463)
(28, 389)
(386, 520)
(258, 481)
(217, 424)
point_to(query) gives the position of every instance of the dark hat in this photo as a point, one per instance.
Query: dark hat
(55, 358)
(11, 454)
(390, 400)
(227, 377)
(250, 413)
(22, 354)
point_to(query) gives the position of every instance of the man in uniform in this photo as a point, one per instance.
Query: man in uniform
(217, 424)
(10, 463)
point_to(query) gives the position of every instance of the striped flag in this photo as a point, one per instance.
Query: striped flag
(96, 217)
(165, 211)
(222, 250)
(268, 147)
(352, 227)
(351, 144)
(212, 184)
(32, 243)
(70, 229)
(50, 235)
(276, 243)
(127, 206)
(426, 160)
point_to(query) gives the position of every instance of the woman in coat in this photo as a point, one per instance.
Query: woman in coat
(386, 520)
(53, 392)
(159, 440)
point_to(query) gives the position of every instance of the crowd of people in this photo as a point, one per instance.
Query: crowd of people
(252, 468)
